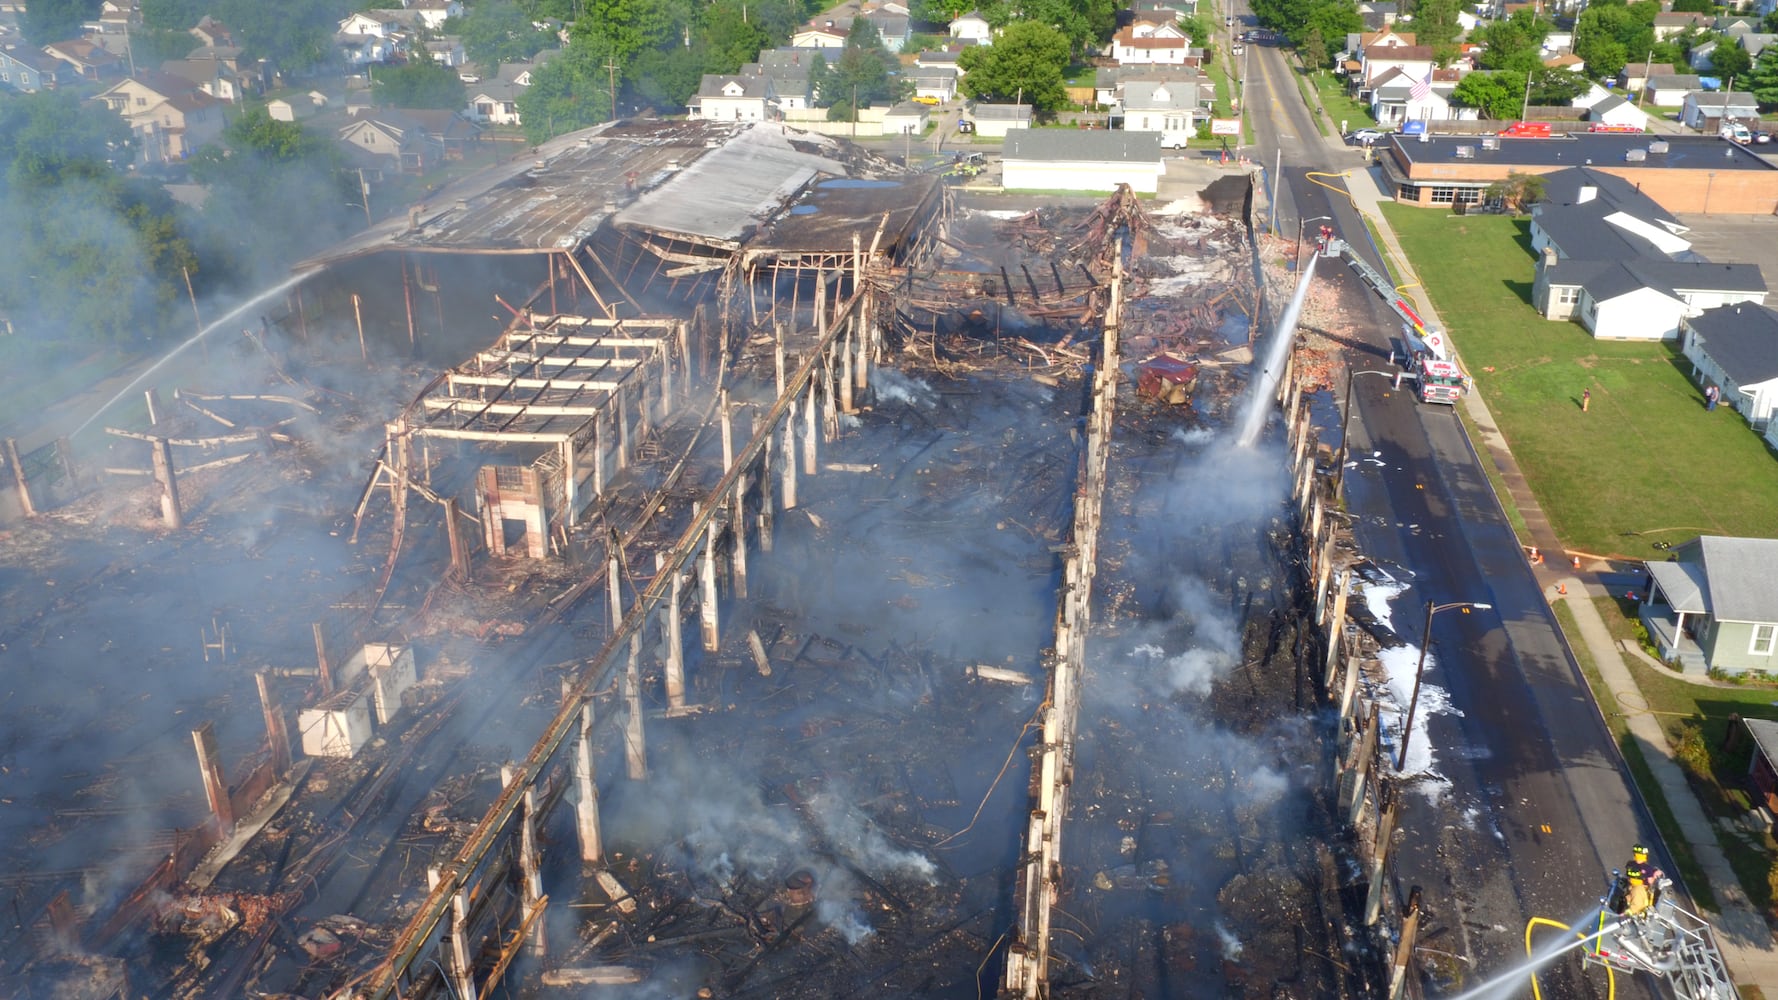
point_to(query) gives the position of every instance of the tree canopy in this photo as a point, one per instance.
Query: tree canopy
(1026, 63)
(862, 72)
(295, 34)
(419, 85)
(1610, 33)
(1495, 95)
(1762, 79)
(1514, 42)
(1297, 19)
(49, 21)
(498, 31)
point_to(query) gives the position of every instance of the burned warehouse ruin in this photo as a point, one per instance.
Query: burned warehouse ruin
(703, 559)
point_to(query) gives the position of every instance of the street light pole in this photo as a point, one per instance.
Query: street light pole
(1407, 728)
(1346, 423)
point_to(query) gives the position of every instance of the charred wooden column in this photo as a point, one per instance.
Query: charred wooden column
(19, 479)
(1379, 863)
(530, 861)
(586, 785)
(152, 397)
(763, 520)
(707, 601)
(1336, 626)
(809, 431)
(636, 749)
(171, 514)
(1404, 953)
(672, 642)
(276, 735)
(846, 371)
(456, 938)
(322, 669)
(215, 784)
(455, 538)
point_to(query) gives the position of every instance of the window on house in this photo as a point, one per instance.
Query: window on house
(1765, 637)
(1567, 296)
(141, 102)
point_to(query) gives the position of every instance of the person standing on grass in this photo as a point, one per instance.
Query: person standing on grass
(1711, 395)
(1586, 399)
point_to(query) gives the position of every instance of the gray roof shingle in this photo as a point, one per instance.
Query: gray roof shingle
(1743, 340)
(1095, 145)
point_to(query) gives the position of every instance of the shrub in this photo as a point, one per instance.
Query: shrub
(1692, 751)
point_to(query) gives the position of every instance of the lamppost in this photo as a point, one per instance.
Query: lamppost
(1407, 728)
(1346, 423)
(1297, 255)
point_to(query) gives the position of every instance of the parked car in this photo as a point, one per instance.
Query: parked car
(926, 99)
(1761, 137)
(1364, 136)
(965, 126)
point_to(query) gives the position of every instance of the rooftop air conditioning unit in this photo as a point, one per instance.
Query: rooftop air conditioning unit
(1466, 152)
(1658, 146)
(1636, 155)
(1491, 142)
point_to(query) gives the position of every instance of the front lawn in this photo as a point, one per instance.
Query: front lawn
(1340, 107)
(1646, 463)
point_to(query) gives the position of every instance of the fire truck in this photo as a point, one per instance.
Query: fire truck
(1425, 357)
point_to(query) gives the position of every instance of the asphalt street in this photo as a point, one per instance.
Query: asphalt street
(1531, 806)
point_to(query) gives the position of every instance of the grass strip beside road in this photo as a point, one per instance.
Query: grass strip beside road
(1690, 872)
(1340, 106)
(1646, 464)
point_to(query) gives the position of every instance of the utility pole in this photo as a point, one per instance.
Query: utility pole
(855, 111)
(611, 67)
(1525, 106)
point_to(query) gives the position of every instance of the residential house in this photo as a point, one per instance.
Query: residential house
(1412, 61)
(27, 70)
(1587, 222)
(120, 15)
(212, 32)
(369, 22)
(895, 29)
(945, 58)
(1393, 99)
(1378, 14)
(791, 71)
(824, 36)
(936, 83)
(168, 116)
(1568, 61)
(1081, 160)
(392, 141)
(1172, 109)
(494, 102)
(1108, 82)
(1150, 43)
(1669, 90)
(1635, 76)
(219, 72)
(1649, 299)
(1558, 40)
(1713, 606)
(972, 28)
(1705, 111)
(88, 60)
(734, 98)
(1735, 348)
(1762, 763)
(1671, 25)
(447, 51)
(1755, 42)
(1615, 112)
(996, 120)
(1736, 24)
(520, 74)
(285, 109)
(1701, 54)
(435, 12)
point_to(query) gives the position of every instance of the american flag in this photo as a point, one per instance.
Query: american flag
(1422, 88)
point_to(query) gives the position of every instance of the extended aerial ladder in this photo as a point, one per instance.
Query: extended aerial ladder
(1666, 941)
(1427, 360)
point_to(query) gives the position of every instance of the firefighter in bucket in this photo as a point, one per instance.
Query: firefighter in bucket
(1637, 889)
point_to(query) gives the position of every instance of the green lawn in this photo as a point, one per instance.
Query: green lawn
(1646, 464)
(1339, 106)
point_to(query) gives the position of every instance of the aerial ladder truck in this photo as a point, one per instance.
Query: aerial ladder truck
(1426, 359)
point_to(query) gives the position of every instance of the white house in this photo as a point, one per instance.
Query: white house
(363, 23)
(823, 37)
(907, 118)
(1170, 109)
(435, 12)
(447, 51)
(1146, 43)
(1413, 62)
(972, 28)
(1644, 299)
(1618, 113)
(1393, 100)
(938, 83)
(1081, 160)
(494, 102)
(1735, 348)
(734, 99)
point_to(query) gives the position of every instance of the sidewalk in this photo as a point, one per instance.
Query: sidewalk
(1744, 935)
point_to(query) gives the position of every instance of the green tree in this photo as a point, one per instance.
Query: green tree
(571, 91)
(861, 72)
(1495, 95)
(1694, 6)
(1762, 80)
(51, 137)
(1026, 62)
(1435, 23)
(419, 85)
(1609, 33)
(1514, 42)
(1729, 60)
(1552, 87)
(730, 36)
(49, 21)
(497, 31)
(1518, 191)
(623, 28)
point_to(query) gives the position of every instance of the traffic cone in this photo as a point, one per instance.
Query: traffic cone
(1577, 562)
(1536, 556)
(1562, 588)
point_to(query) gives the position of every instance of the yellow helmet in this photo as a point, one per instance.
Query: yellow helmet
(1639, 852)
